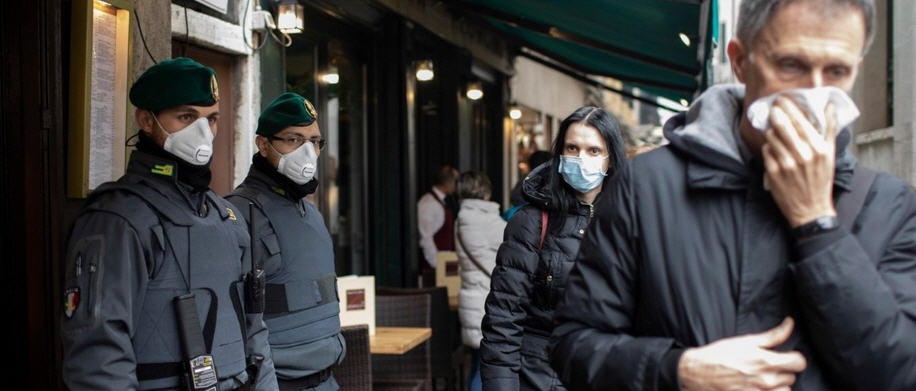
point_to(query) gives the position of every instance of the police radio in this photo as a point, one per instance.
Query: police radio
(256, 280)
(198, 368)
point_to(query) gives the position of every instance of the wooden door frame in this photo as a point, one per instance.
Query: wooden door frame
(224, 143)
(33, 204)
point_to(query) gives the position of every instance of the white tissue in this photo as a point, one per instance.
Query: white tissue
(812, 102)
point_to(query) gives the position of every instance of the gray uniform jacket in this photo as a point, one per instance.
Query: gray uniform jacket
(137, 244)
(297, 255)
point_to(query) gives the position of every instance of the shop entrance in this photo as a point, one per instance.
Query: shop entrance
(328, 66)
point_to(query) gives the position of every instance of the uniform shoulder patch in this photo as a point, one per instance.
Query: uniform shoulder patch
(163, 169)
(71, 301)
(231, 214)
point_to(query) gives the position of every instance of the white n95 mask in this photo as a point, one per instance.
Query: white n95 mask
(812, 102)
(193, 144)
(299, 165)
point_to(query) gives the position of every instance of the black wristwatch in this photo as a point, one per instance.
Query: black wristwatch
(819, 225)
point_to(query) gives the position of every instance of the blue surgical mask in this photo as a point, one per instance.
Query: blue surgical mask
(583, 174)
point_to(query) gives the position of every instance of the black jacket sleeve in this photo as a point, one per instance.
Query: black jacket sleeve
(594, 346)
(864, 309)
(510, 292)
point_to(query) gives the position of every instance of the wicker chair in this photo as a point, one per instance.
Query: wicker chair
(411, 370)
(445, 343)
(355, 372)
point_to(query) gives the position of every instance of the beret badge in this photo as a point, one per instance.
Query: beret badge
(214, 88)
(310, 108)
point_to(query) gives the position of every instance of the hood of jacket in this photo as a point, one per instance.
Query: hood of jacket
(534, 187)
(535, 190)
(476, 205)
(708, 135)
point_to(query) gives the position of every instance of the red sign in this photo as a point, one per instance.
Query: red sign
(356, 299)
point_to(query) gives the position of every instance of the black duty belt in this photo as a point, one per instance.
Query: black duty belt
(310, 381)
(296, 296)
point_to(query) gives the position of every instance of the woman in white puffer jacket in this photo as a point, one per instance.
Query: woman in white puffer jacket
(478, 234)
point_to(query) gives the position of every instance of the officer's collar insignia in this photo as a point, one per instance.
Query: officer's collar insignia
(71, 301)
(214, 88)
(278, 190)
(231, 214)
(311, 109)
(163, 169)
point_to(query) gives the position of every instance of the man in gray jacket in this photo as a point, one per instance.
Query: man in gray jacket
(708, 248)
(154, 291)
(293, 246)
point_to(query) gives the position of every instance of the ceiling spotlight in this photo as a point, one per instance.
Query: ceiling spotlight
(684, 102)
(332, 77)
(685, 39)
(475, 91)
(515, 112)
(425, 70)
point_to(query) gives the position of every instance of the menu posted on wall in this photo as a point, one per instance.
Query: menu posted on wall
(102, 94)
(99, 75)
(107, 109)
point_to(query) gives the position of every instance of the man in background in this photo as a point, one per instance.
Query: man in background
(435, 220)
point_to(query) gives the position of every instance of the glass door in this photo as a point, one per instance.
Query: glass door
(331, 74)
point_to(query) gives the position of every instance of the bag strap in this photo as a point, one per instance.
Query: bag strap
(468, 252)
(850, 203)
(544, 216)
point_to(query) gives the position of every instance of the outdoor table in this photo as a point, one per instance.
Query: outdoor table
(397, 340)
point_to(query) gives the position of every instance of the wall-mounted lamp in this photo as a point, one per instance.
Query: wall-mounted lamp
(289, 17)
(475, 91)
(332, 77)
(425, 70)
(515, 112)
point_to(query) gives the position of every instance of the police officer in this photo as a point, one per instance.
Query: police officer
(296, 250)
(154, 297)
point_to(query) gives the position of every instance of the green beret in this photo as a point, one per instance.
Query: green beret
(175, 82)
(287, 110)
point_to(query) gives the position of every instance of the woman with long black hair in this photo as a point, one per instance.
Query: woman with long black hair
(539, 249)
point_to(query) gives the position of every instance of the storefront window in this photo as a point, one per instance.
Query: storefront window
(533, 132)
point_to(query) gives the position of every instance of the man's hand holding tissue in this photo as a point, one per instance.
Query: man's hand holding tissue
(800, 163)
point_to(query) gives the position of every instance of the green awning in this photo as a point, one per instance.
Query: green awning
(640, 42)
